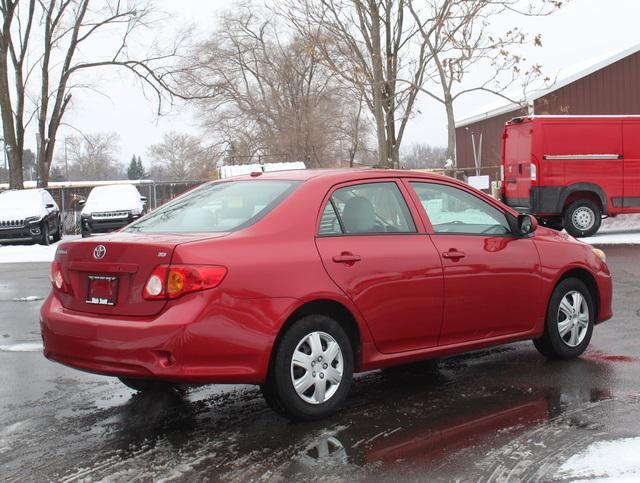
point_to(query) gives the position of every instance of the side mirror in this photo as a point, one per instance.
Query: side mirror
(49, 206)
(143, 199)
(82, 202)
(527, 224)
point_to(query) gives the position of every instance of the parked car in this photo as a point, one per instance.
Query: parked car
(570, 171)
(296, 280)
(30, 216)
(110, 208)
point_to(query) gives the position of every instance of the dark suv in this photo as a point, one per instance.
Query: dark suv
(29, 216)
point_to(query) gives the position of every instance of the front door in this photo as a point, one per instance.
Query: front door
(491, 278)
(371, 249)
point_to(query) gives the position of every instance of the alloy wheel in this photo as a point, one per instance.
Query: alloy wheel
(573, 318)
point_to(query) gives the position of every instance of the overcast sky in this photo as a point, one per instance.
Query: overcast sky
(582, 30)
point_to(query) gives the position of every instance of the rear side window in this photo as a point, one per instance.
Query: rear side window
(366, 209)
(452, 210)
(216, 207)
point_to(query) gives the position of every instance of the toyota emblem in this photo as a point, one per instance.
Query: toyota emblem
(99, 252)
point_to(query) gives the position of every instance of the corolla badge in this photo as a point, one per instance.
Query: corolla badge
(99, 252)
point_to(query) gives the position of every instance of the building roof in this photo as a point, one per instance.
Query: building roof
(537, 90)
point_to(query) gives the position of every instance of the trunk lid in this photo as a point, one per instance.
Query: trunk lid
(123, 263)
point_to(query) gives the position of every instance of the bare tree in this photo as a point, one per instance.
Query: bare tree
(46, 41)
(180, 156)
(420, 155)
(370, 45)
(93, 157)
(15, 33)
(268, 91)
(463, 41)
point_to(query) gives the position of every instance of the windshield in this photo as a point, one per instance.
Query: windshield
(21, 203)
(216, 207)
(112, 198)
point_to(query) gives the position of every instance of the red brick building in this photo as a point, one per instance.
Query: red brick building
(608, 86)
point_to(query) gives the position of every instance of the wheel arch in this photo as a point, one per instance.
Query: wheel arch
(584, 276)
(330, 308)
(577, 191)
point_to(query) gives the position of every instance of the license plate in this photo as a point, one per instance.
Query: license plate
(103, 290)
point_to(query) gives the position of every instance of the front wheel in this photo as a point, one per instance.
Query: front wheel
(44, 238)
(311, 371)
(570, 320)
(582, 218)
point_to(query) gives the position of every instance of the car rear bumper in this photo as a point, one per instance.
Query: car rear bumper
(194, 340)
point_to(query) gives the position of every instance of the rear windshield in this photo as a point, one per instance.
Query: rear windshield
(216, 207)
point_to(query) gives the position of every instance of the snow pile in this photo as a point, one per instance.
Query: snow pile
(27, 253)
(22, 347)
(30, 253)
(30, 298)
(616, 460)
(621, 230)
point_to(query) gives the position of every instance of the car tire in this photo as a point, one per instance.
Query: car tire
(324, 369)
(150, 385)
(582, 218)
(57, 236)
(44, 237)
(86, 233)
(569, 322)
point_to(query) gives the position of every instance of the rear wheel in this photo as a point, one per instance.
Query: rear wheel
(582, 218)
(570, 320)
(311, 371)
(150, 385)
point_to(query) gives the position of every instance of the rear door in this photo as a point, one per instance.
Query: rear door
(492, 283)
(517, 165)
(631, 191)
(372, 249)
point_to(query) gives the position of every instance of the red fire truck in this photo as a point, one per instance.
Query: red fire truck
(571, 171)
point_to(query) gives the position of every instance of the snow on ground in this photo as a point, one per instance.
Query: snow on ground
(30, 253)
(621, 230)
(22, 347)
(616, 460)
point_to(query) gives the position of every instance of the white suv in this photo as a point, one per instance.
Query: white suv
(111, 207)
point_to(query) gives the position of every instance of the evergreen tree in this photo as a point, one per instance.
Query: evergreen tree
(135, 169)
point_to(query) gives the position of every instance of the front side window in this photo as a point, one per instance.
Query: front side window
(216, 207)
(452, 210)
(366, 209)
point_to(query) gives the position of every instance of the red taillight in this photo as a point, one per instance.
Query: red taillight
(57, 278)
(173, 281)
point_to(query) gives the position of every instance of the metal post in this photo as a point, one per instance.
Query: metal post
(66, 159)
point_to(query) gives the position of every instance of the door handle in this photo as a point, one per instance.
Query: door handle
(347, 257)
(453, 254)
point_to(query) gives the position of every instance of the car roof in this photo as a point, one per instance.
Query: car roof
(340, 175)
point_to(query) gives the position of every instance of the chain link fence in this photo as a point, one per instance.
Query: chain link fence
(69, 194)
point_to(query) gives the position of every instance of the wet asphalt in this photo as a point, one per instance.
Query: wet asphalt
(504, 414)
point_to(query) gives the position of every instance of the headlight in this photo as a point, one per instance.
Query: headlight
(600, 254)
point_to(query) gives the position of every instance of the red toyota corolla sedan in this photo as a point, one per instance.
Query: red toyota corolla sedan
(296, 280)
